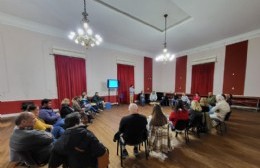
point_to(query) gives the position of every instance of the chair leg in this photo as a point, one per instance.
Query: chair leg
(145, 148)
(225, 126)
(176, 134)
(186, 135)
(117, 147)
(121, 155)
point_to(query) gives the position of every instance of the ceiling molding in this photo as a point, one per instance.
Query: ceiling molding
(10, 20)
(183, 20)
(222, 43)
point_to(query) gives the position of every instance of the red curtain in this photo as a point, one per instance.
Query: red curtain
(70, 76)
(125, 75)
(202, 78)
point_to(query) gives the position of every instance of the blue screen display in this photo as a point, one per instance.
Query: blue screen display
(112, 83)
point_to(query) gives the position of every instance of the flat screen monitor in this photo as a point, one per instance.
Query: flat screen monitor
(112, 83)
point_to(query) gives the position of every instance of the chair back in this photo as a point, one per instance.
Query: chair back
(181, 125)
(227, 116)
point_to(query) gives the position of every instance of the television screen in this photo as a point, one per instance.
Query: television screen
(112, 83)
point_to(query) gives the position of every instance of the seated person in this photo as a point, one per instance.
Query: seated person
(48, 115)
(160, 142)
(196, 97)
(195, 113)
(27, 140)
(204, 105)
(76, 106)
(99, 101)
(165, 100)
(65, 108)
(185, 100)
(153, 96)
(175, 99)
(85, 103)
(132, 129)
(77, 147)
(220, 110)
(142, 98)
(40, 125)
(211, 100)
(179, 113)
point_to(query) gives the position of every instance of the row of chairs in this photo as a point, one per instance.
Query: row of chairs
(181, 126)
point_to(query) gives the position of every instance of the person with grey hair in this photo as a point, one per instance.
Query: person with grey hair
(220, 110)
(25, 141)
(132, 129)
(77, 147)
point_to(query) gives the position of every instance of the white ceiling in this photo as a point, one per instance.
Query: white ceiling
(207, 21)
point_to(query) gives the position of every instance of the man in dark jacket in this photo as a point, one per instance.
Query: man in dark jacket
(77, 147)
(25, 141)
(132, 129)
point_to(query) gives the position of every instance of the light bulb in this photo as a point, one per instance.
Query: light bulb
(89, 31)
(80, 32)
(85, 25)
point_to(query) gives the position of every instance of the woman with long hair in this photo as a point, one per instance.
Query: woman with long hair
(160, 138)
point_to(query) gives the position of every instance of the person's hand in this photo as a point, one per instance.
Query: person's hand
(58, 114)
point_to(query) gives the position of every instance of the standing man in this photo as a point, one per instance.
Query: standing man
(131, 93)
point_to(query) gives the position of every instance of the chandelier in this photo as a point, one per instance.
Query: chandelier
(165, 56)
(84, 36)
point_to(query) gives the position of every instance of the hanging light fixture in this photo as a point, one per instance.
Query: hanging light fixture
(84, 36)
(165, 56)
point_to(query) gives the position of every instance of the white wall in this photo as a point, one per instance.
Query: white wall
(219, 53)
(252, 81)
(27, 69)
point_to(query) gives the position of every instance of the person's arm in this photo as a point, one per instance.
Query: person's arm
(122, 125)
(97, 149)
(42, 138)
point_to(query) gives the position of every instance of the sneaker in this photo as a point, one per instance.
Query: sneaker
(124, 154)
(136, 152)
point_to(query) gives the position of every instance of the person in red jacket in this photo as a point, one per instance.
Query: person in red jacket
(179, 113)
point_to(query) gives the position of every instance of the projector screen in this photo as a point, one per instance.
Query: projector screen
(112, 83)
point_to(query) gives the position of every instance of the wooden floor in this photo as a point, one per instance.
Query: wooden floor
(238, 148)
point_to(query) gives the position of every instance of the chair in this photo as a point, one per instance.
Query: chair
(120, 143)
(221, 125)
(182, 125)
(196, 122)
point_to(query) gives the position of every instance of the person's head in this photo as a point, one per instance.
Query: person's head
(72, 119)
(83, 94)
(179, 105)
(133, 108)
(96, 93)
(34, 109)
(197, 94)
(223, 95)
(158, 118)
(195, 105)
(25, 120)
(46, 103)
(65, 101)
(219, 98)
(210, 94)
(183, 94)
(203, 101)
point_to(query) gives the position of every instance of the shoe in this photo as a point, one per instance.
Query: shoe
(124, 154)
(136, 152)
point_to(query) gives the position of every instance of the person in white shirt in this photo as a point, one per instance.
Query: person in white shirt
(153, 96)
(131, 93)
(220, 110)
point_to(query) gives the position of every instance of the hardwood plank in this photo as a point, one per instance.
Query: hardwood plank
(239, 147)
